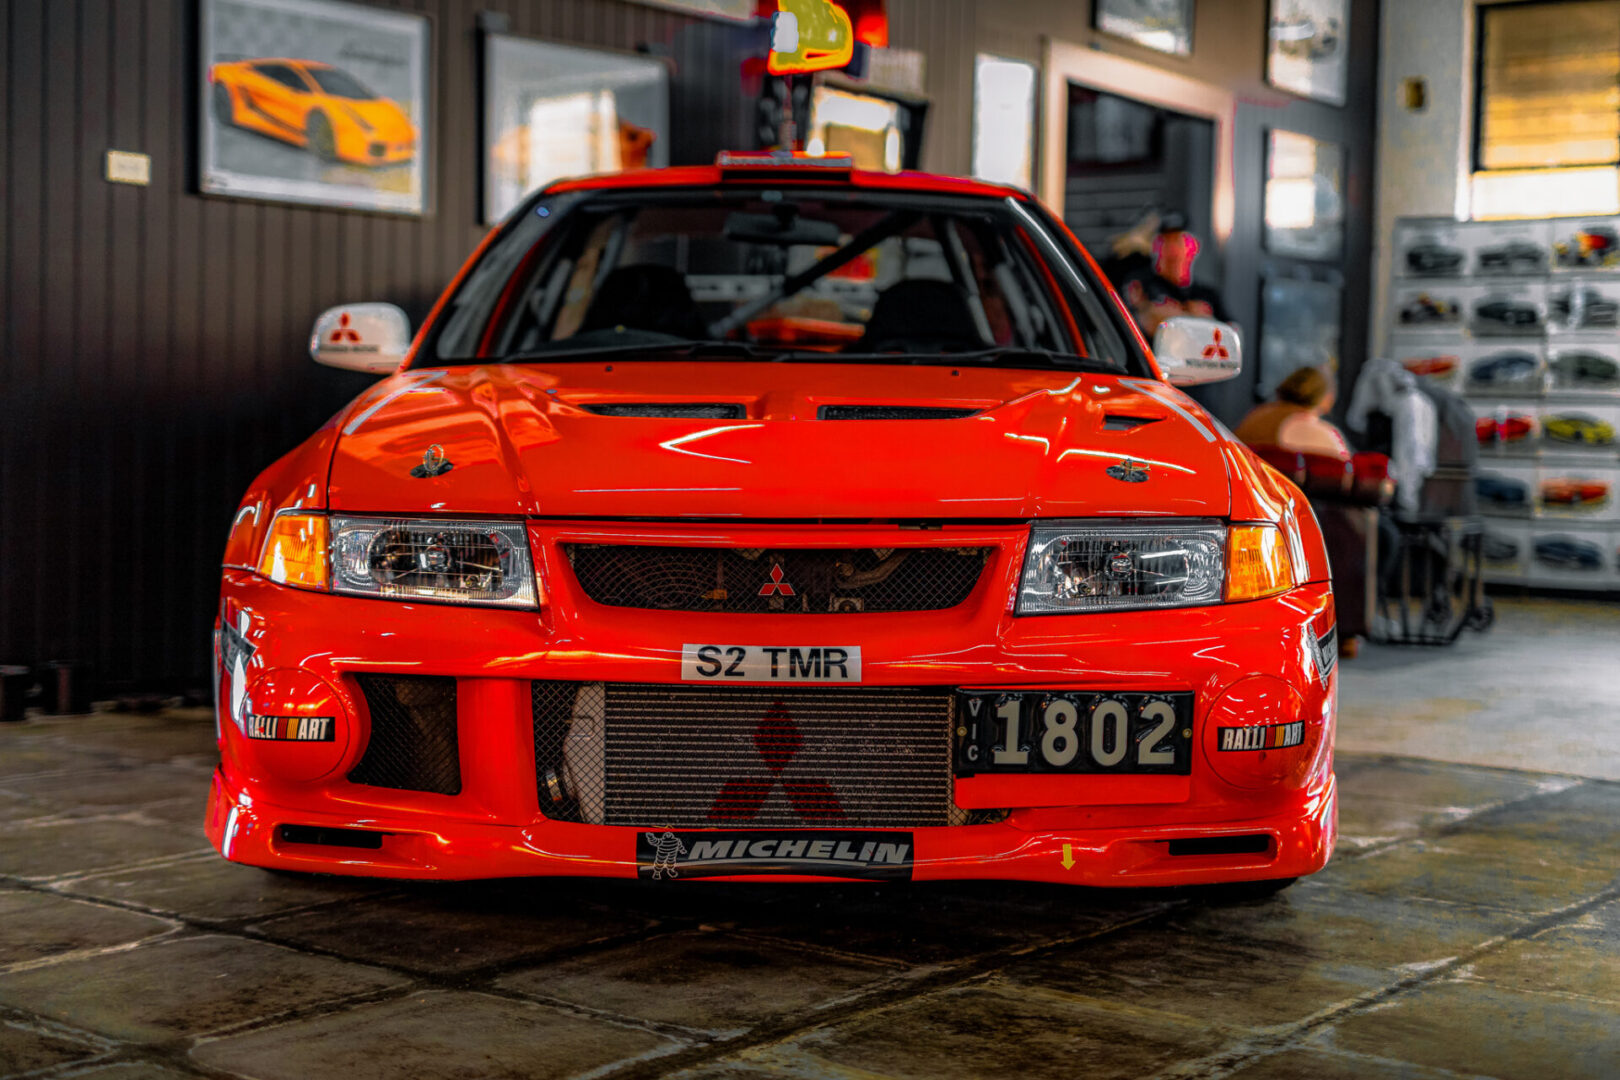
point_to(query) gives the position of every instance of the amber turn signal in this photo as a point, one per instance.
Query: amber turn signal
(295, 551)
(1257, 562)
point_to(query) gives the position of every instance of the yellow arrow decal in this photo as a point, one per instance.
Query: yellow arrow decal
(1068, 857)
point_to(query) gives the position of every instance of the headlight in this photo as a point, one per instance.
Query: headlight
(1122, 565)
(457, 562)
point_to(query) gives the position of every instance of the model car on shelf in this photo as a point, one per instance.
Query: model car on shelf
(1593, 247)
(1502, 492)
(1584, 371)
(1496, 548)
(1429, 258)
(1425, 310)
(316, 106)
(1490, 429)
(1505, 369)
(1512, 257)
(1578, 429)
(1584, 309)
(1563, 491)
(1430, 366)
(603, 579)
(1512, 316)
(1568, 553)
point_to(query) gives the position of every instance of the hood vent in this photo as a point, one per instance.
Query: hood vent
(1117, 422)
(891, 412)
(675, 410)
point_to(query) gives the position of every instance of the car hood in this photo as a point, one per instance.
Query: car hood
(521, 440)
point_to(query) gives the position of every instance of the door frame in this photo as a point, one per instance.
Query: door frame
(1063, 63)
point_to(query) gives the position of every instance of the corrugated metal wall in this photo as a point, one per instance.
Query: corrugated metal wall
(152, 341)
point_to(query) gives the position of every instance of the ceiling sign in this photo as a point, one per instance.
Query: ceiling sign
(810, 35)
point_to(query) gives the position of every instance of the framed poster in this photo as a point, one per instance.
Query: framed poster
(1299, 327)
(1304, 196)
(1004, 120)
(1306, 52)
(1163, 25)
(315, 101)
(556, 110)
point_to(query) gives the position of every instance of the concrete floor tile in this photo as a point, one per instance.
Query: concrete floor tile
(1447, 790)
(1318, 1065)
(1581, 958)
(186, 734)
(24, 1048)
(185, 986)
(433, 1035)
(1260, 964)
(453, 927)
(935, 922)
(1472, 1029)
(34, 926)
(1484, 868)
(65, 845)
(113, 786)
(707, 981)
(975, 1032)
(130, 1070)
(211, 888)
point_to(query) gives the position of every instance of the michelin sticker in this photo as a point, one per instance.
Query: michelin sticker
(667, 855)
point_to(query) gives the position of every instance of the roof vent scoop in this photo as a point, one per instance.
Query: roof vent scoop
(677, 410)
(1119, 422)
(891, 412)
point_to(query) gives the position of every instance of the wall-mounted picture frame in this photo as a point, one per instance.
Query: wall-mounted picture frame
(1304, 198)
(1301, 325)
(552, 111)
(317, 102)
(1004, 95)
(1162, 25)
(1305, 53)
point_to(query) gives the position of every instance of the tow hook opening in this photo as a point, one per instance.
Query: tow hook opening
(1250, 844)
(314, 834)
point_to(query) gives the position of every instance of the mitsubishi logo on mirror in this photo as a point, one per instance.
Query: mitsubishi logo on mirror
(1216, 350)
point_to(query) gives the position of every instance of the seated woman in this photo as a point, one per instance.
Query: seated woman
(1294, 421)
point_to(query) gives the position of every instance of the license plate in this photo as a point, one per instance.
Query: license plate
(1048, 731)
(771, 663)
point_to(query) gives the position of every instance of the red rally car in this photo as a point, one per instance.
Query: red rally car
(776, 520)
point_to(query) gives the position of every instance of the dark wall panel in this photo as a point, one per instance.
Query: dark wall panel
(152, 340)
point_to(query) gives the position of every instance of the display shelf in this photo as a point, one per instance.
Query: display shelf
(1485, 309)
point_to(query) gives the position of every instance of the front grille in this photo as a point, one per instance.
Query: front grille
(413, 734)
(787, 581)
(658, 756)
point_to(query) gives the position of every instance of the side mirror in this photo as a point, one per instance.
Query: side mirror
(361, 337)
(1192, 350)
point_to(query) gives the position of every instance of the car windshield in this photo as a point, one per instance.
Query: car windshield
(340, 84)
(793, 273)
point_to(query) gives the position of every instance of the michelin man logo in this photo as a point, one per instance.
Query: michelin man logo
(666, 849)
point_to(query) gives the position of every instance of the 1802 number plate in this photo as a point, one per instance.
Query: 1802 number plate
(1073, 732)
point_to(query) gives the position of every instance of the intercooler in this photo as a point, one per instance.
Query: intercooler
(673, 756)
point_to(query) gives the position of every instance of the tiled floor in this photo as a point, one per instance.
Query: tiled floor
(1469, 926)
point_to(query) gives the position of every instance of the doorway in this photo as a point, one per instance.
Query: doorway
(1126, 158)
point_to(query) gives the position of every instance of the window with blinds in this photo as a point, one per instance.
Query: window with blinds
(1549, 85)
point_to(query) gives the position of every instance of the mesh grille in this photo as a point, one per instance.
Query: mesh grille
(413, 734)
(787, 581)
(891, 412)
(765, 757)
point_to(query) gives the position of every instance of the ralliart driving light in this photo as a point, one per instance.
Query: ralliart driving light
(455, 562)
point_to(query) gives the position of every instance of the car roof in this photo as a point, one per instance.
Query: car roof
(819, 175)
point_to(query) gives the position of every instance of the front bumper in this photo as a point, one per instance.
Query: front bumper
(1089, 830)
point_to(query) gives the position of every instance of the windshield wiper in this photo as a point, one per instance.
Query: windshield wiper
(1001, 355)
(687, 350)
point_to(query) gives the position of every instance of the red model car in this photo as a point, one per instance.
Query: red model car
(1489, 429)
(608, 578)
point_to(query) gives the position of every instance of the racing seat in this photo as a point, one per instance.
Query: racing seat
(646, 297)
(922, 315)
